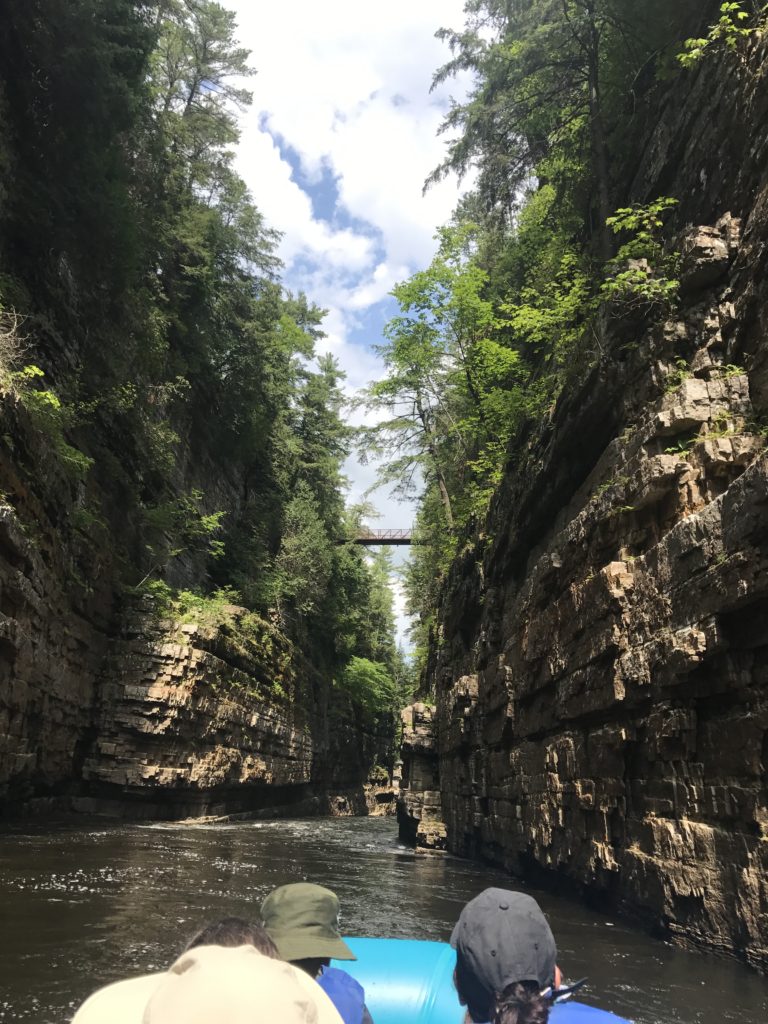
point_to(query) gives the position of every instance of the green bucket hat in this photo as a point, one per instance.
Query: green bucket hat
(302, 920)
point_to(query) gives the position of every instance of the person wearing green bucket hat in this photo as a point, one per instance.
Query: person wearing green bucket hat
(302, 919)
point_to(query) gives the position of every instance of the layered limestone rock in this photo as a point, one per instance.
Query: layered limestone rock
(419, 810)
(210, 720)
(55, 616)
(106, 709)
(601, 671)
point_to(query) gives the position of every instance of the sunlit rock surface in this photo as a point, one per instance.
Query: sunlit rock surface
(601, 675)
(419, 811)
(106, 709)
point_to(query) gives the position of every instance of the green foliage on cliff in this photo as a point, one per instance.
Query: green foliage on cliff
(369, 684)
(50, 417)
(640, 275)
(539, 257)
(183, 389)
(730, 32)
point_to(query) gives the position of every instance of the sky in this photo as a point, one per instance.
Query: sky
(335, 149)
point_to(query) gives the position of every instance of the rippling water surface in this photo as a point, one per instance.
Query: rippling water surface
(81, 906)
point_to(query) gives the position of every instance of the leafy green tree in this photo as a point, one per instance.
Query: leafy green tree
(305, 559)
(380, 618)
(369, 684)
(411, 395)
(450, 392)
(553, 81)
(323, 440)
(195, 62)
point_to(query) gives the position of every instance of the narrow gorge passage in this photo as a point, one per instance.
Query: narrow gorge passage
(384, 429)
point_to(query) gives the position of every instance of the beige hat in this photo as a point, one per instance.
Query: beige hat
(214, 985)
(122, 999)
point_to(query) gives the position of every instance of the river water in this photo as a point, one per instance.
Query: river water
(81, 906)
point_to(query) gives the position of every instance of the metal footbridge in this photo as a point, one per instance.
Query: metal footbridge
(372, 538)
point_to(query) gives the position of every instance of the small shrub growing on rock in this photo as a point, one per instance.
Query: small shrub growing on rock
(728, 33)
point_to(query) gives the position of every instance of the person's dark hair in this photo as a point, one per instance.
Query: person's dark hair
(520, 1003)
(234, 931)
(312, 965)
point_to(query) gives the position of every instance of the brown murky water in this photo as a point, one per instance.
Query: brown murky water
(80, 906)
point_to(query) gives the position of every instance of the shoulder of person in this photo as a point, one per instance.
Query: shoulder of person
(347, 995)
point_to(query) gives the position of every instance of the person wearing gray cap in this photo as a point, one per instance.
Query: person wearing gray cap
(505, 959)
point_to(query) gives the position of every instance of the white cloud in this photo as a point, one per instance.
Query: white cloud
(289, 209)
(377, 285)
(344, 86)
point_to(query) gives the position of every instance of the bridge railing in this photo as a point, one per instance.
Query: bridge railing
(370, 538)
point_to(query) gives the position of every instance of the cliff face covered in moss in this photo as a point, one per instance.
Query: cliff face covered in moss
(600, 660)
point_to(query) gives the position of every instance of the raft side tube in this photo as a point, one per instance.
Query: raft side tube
(410, 981)
(406, 981)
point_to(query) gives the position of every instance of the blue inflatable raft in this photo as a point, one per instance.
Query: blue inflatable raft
(410, 981)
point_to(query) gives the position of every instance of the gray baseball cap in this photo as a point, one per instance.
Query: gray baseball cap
(501, 937)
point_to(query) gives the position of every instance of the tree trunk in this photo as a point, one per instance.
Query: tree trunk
(474, 394)
(597, 134)
(444, 495)
(429, 434)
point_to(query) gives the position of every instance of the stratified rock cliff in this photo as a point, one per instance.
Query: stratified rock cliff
(419, 811)
(195, 719)
(601, 668)
(105, 707)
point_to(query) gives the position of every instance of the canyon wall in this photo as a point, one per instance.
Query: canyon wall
(419, 806)
(105, 707)
(223, 718)
(600, 668)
